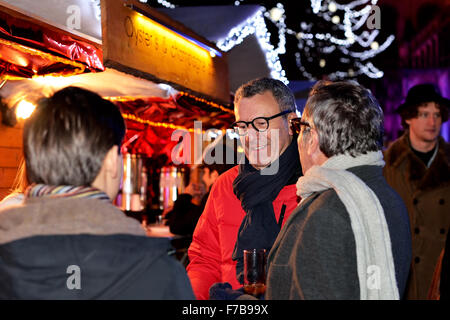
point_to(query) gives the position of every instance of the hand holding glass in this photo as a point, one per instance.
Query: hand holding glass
(255, 272)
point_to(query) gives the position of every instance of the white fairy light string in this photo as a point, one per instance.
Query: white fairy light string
(346, 17)
(256, 25)
(353, 20)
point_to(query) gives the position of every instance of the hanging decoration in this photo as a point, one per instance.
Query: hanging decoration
(151, 121)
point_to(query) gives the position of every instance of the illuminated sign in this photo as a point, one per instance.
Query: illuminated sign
(146, 43)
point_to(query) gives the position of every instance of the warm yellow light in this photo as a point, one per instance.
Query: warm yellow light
(351, 73)
(212, 104)
(24, 109)
(351, 38)
(374, 45)
(157, 124)
(332, 7)
(276, 14)
(153, 27)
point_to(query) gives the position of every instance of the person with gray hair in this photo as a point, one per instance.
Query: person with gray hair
(248, 204)
(349, 237)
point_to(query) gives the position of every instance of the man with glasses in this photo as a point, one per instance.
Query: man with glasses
(249, 203)
(349, 238)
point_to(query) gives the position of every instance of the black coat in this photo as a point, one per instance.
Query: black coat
(110, 267)
(183, 218)
(445, 271)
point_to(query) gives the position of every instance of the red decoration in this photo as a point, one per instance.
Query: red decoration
(151, 121)
(27, 49)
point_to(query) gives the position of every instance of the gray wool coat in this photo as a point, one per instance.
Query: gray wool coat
(314, 256)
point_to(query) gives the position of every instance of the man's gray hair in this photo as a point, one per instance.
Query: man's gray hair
(347, 117)
(282, 94)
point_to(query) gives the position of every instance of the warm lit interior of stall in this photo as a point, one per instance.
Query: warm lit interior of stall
(35, 62)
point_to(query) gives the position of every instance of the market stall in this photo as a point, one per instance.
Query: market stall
(162, 76)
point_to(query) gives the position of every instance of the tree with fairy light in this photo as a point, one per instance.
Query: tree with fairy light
(338, 41)
(335, 39)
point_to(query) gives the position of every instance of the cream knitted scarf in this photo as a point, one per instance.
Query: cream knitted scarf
(375, 263)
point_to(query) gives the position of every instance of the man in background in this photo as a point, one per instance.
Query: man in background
(418, 168)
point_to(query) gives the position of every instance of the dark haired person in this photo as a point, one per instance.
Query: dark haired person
(418, 168)
(349, 237)
(183, 218)
(249, 203)
(67, 240)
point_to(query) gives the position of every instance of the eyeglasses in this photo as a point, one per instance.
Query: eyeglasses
(260, 124)
(297, 123)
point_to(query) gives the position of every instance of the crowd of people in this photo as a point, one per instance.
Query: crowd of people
(339, 217)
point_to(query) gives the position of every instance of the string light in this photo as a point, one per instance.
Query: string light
(335, 19)
(24, 109)
(316, 5)
(164, 3)
(374, 45)
(352, 20)
(257, 26)
(210, 103)
(371, 53)
(132, 117)
(332, 7)
(367, 69)
(277, 16)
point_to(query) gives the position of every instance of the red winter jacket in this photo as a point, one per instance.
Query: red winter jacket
(216, 233)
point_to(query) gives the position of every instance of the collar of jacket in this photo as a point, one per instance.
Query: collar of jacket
(438, 173)
(40, 216)
(65, 191)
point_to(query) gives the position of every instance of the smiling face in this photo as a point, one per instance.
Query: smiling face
(427, 125)
(262, 148)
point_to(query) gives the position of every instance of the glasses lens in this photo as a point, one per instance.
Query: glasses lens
(261, 124)
(240, 128)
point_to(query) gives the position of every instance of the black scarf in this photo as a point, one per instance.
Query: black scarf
(256, 192)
